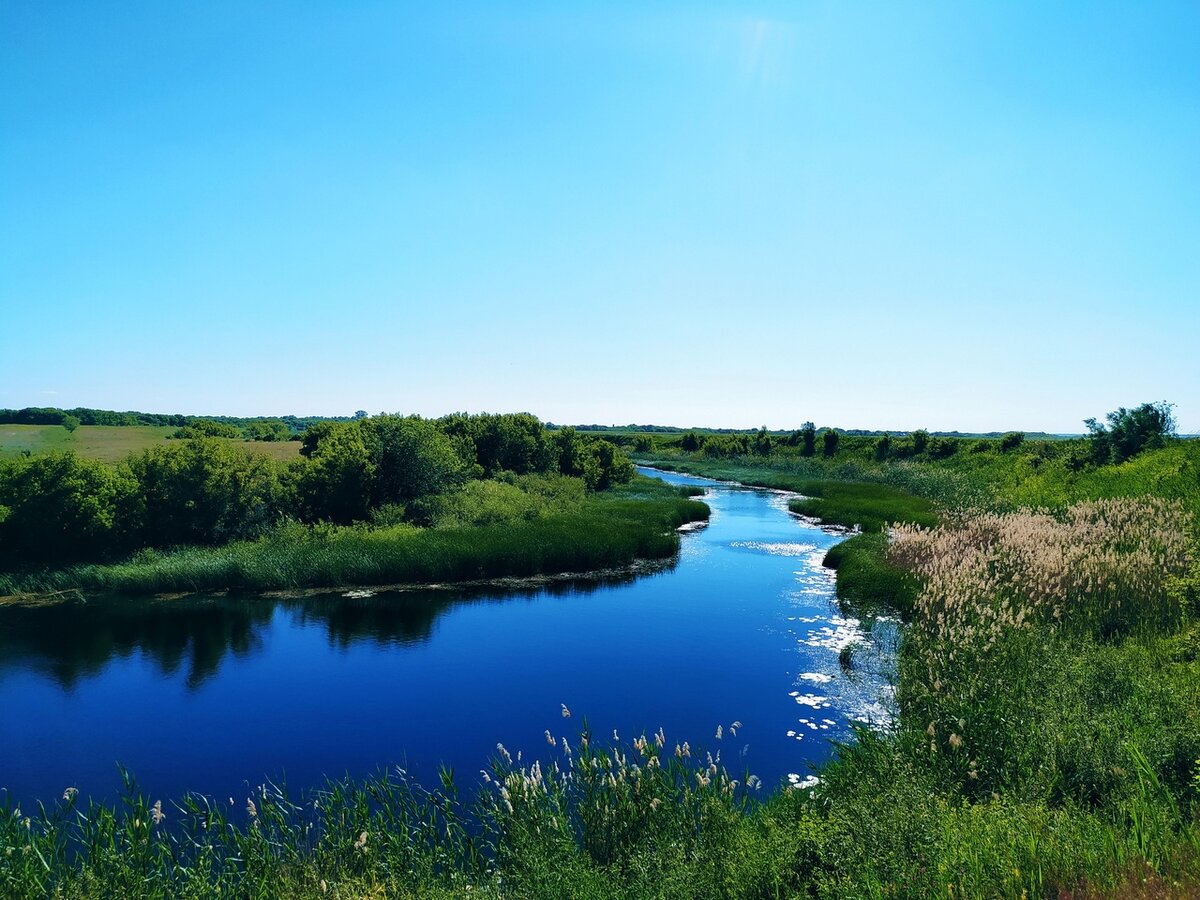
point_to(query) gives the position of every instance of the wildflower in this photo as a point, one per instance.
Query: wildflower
(655, 803)
(156, 812)
(324, 887)
(931, 731)
(361, 843)
(503, 752)
(550, 739)
(660, 738)
(566, 713)
(251, 809)
(69, 793)
(955, 741)
(718, 732)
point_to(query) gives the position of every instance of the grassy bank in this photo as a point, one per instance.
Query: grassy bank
(866, 582)
(492, 530)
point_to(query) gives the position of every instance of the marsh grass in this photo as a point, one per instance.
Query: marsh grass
(297, 556)
(870, 507)
(589, 819)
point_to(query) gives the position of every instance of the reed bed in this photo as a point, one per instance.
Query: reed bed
(1104, 566)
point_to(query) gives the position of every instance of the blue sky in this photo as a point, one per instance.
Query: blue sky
(959, 215)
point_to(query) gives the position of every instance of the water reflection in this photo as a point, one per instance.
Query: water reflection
(71, 641)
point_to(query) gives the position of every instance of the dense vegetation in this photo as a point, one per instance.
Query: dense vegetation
(1046, 742)
(203, 508)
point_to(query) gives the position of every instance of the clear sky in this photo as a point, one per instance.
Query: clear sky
(945, 215)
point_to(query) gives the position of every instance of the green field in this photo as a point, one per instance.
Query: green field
(111, 443)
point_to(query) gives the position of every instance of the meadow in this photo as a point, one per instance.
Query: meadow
(112, 443)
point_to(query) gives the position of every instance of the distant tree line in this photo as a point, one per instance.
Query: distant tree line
(260, 428)
(1124, 434)
(58, 508)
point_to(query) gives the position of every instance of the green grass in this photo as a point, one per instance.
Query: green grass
(869, 506)
(111, 443)
(866, 583)
(633, 523)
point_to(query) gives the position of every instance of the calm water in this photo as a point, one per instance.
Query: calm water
(212, 694)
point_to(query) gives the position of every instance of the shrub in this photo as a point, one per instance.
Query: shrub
(1011, 441)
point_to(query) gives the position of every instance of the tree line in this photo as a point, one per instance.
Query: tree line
(256, 428)
(1124, 434)
(59, 508)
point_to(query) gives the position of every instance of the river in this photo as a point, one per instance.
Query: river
(215, 693)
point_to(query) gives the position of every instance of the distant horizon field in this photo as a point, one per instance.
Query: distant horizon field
(112, 443)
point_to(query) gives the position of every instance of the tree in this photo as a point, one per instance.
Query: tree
(70, 423)
(605, 465)
(883, 448)
(808, 439)
(569, 451)
(1011, 441)
(334, 479)
(920, 440)
(59, 508)
(513, 442)
(690, 442)
(829, 442)
(1130, 431)
(409, 457)
(200, 491)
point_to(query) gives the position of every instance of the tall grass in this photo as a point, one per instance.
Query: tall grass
(868, 506)
(592, 818)
(596, 535)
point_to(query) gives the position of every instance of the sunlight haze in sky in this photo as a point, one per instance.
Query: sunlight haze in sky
(940, 215)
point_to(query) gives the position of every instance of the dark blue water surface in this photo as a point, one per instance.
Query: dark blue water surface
(213, 693)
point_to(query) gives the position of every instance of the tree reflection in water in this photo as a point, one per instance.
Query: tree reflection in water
(71, 641)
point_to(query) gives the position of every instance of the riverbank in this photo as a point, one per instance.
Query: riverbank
(626, 524)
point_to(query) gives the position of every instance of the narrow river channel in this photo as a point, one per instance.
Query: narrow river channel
(214, 693)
